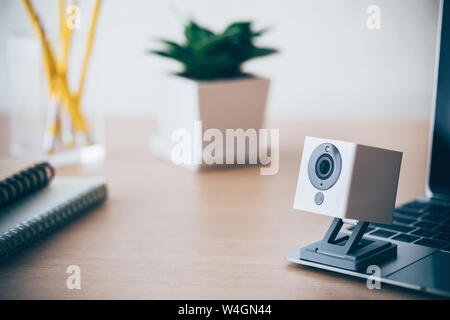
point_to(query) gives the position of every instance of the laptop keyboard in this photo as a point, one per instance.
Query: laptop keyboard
(417, 222)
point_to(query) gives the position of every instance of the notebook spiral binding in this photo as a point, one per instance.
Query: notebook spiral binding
(35, 228)
(25, 182)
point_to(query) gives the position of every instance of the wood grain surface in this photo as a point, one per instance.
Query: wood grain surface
(168, 233)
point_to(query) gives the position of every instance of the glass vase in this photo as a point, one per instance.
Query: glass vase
(42, 125)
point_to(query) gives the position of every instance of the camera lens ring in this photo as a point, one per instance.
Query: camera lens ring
(324, 167)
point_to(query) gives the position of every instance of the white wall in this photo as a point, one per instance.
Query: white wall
(330, 63)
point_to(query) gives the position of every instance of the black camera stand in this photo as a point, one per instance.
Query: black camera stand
(351, 252)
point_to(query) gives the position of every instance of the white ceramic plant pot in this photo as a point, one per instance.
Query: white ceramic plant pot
(222, 104)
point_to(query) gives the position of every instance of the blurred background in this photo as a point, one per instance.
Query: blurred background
(333, 77)
(330, 65)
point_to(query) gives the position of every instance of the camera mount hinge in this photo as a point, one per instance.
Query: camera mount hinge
(352, 242)
(348, 251)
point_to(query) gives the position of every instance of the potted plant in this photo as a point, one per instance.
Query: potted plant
(212, 88)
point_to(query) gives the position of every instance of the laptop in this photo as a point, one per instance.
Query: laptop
(421, 227)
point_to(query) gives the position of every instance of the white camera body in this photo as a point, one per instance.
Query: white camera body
(348, 180)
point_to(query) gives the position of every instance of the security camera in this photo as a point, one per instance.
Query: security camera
(348, 180)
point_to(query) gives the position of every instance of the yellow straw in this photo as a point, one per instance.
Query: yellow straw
(88, 49)
(51, 72)
(49, 59)
(66, 35)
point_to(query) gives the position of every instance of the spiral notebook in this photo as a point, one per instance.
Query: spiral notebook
(24, 182)
(34, 204)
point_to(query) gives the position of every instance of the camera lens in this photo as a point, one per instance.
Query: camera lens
(324, 166)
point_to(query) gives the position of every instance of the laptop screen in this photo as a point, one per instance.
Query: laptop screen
(439, 177)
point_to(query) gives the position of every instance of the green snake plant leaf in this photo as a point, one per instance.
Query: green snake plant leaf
(206, 55)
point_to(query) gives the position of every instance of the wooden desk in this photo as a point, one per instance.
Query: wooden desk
(168, 233)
